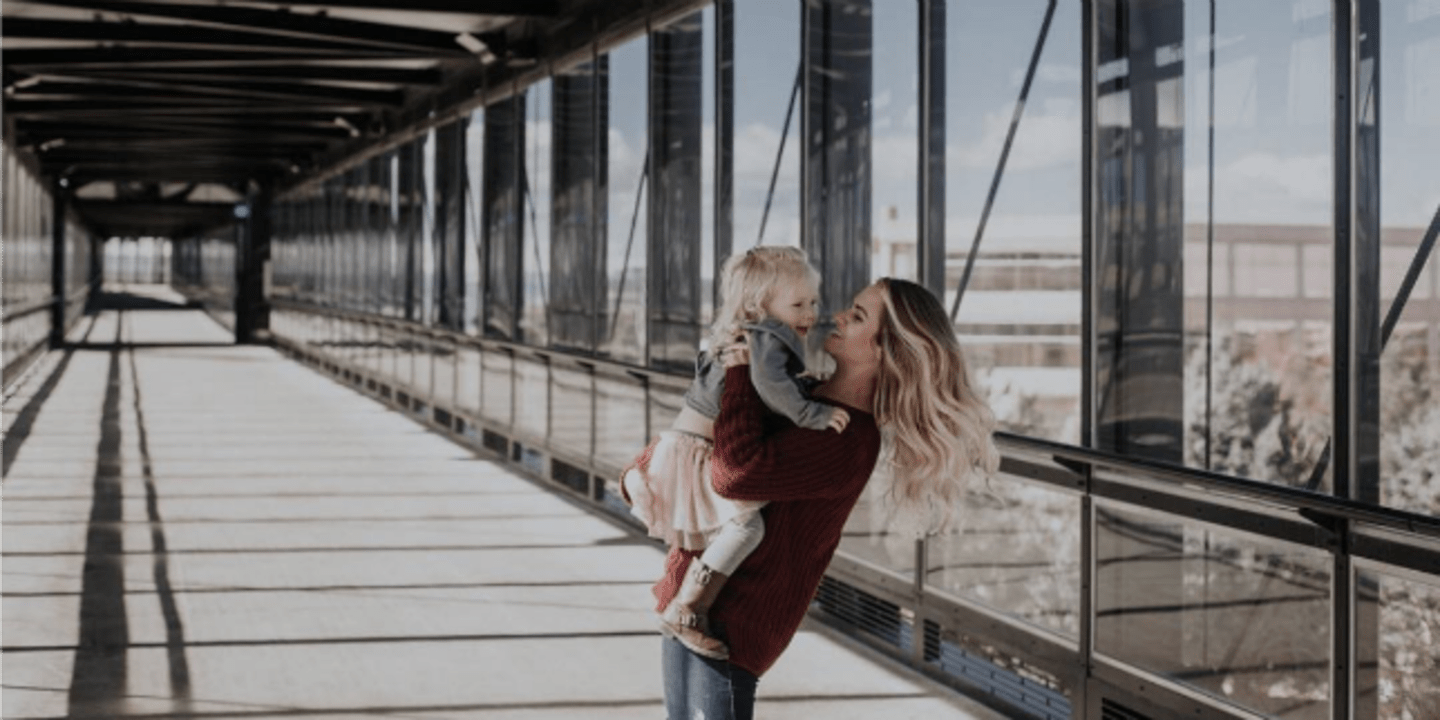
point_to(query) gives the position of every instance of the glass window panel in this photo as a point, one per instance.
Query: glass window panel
(1018, 552)
(443, 362)
(474, 219)
(1257, 371)
(707, 172)
(467, 380)
(1019, 319)
(1243, 618)
(497, 391)
(895, 140)
(534, 324)
(570, 416)
(620, 419)
(1409, 617)
(1409, 208)
(427, 239)
(767, 62)
(423, 367)
(532, 399)
(628, 68)
(404, 358)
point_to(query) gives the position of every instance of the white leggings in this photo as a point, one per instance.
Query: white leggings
(737, 538)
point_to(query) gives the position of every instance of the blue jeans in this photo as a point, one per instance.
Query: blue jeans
(698, 688)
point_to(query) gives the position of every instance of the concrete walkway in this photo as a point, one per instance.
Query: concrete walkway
(197, 529)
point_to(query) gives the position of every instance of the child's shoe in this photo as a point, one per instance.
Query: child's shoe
(686, 618)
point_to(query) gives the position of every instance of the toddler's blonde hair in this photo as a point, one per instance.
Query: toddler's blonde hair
(748, 280)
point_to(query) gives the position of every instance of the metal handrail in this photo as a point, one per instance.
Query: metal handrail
(614, 367)
(1324, 510)
(46, 304)
(1319, 508)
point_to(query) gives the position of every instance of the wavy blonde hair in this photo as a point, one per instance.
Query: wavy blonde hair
(748, 280)
(938, 431)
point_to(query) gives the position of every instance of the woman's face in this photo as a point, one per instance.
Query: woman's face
(856, 327)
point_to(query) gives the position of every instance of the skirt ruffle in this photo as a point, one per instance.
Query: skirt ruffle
(672, 495)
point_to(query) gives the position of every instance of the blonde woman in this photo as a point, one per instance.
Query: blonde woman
(900, 376)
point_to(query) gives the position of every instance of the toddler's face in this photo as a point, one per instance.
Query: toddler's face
(797, 304)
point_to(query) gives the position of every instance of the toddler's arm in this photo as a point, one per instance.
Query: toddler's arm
(769, 356)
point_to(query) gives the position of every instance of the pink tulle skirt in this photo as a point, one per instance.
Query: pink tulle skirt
(673, 496)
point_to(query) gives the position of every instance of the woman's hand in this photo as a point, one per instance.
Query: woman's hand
(735, 354)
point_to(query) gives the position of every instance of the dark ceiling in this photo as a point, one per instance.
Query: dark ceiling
(159, 115)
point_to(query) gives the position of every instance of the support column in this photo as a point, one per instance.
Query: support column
(252, 308)
(59, 202)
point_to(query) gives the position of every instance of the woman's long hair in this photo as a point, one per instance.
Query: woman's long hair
(748, 280)
(938, 431)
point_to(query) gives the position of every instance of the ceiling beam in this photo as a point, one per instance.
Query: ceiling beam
(282, 74)
(283, 22)
(516, 8)
(175, 107)
(106, 127)
(167, 34)
(117, 88)
(38, 61)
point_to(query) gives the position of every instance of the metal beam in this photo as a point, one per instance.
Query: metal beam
(166, 34)
(279, 74)
(521, 8)
(284, 22)
(163, 92)
(37, 61)
(90, 108)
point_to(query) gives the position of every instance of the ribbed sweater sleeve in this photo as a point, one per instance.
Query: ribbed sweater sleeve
(788, 463)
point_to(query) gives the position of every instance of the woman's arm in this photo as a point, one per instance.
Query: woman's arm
(788, 464)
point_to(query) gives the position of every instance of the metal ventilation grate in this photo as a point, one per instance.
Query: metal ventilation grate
(1034, 697)
(871, 616)
(1111, 710)
(495, 442)
(570, 476)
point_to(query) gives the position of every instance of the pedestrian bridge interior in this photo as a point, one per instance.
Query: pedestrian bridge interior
(328, 327)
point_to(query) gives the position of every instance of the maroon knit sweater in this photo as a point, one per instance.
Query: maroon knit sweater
(812, 479)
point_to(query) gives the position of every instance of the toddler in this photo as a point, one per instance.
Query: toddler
(771, 294)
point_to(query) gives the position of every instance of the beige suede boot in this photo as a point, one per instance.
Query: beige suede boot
(687, 616)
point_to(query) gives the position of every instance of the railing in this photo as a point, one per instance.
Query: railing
(27, 332)
(574, 420)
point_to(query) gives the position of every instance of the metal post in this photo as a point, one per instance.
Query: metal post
(58, 203)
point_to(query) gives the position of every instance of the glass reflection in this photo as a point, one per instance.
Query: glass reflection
(497, 387)
(427, 240)
(894, 140)
(1257, 234)
(1019, 318)
(1410, 212)
(570, 417)
(1243, 618)
(532, 399)
(626, 235)
(1409, 680)
(467, 380)
(767, 123)
(1018, 553)
(534, 320)
(474, 219)
(619, 419)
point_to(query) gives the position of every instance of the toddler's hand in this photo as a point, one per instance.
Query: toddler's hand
(839, 420)
(737, 353)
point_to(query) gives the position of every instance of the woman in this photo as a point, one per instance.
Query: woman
(898, 373)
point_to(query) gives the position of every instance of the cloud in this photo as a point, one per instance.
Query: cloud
(1263, 187)
(1048, 135)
